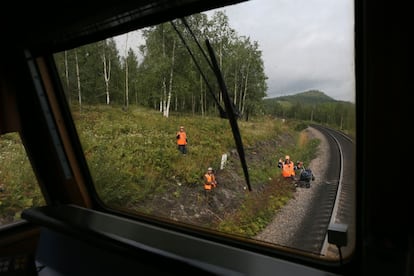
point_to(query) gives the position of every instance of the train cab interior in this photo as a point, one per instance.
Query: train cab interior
(74, 233)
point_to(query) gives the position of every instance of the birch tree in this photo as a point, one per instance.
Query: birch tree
(126, 75)
(167, 108)
(106, 73)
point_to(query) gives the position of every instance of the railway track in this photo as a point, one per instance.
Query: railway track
(334, 200)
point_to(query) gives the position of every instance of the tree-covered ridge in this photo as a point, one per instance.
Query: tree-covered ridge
(166, 78)
(314, 106)
(307, 97)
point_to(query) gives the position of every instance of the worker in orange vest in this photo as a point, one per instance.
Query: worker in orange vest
(182, 140)
(209, 180)
(288, 167)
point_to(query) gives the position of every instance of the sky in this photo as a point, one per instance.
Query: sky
(305, 44)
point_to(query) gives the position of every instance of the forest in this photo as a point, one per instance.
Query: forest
(172, 73)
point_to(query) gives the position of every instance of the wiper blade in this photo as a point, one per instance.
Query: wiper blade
(196, 41)
(230, 111)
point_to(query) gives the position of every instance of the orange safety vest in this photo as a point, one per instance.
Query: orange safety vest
(182, 140)
(210, 181)
(288, 169)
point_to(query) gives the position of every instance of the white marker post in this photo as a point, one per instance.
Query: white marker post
(223, 161)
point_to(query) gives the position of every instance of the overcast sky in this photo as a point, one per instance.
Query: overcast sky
(305, 44)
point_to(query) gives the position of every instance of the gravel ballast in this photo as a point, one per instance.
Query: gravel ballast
(286, 221)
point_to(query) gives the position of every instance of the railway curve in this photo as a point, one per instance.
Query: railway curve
(304, 221)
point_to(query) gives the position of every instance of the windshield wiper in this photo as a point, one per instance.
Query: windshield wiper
(221, 109)
(230, 110)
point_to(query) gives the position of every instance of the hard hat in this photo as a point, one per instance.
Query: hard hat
(287, 157)
(210, 169)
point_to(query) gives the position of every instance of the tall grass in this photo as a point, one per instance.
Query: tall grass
(133, 158)
(19, 188)
(138, 148)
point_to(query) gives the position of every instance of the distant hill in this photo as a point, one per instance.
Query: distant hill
(314, 106)
(307, 97)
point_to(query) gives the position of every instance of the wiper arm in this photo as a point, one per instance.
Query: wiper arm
(221, 109)
(196, 41)
(230, 111)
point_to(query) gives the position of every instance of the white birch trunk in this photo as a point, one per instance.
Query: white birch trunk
(107, 75)
(161, 104)
(164, 86)
(243, 102)
(167, 109)
(126, 74)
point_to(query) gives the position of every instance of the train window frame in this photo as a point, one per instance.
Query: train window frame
(67, 130)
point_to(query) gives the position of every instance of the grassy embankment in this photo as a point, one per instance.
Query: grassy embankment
(132, 157)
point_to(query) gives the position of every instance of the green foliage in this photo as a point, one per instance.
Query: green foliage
(167, 73)
(133, 158)
(307, 97)
(314, 107)
(138, 147)
(258, 210)
(19, 187)
(141, 142)
(301, 126)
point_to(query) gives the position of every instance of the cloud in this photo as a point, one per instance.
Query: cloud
(306, 44)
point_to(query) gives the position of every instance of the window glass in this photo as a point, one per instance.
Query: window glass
(18, 185)
(149, 110)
